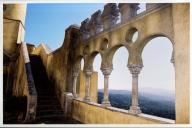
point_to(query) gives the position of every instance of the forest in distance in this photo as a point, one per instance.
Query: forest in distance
(161, 105)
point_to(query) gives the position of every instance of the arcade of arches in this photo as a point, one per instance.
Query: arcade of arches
(76, 85)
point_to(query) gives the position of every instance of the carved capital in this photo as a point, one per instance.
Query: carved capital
(75, 74)
(76, 71)
(88, 70)
(106, 71)
(135, 69)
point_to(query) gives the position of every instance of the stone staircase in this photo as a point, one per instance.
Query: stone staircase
(48, 110)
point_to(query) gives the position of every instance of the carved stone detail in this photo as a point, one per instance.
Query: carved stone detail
(95, 23)
(128, 10)
(84, 29)
(135, 69)
(110, 15)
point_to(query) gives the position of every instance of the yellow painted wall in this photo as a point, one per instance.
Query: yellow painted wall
(181, 39)
(13, 26)
(95, 114)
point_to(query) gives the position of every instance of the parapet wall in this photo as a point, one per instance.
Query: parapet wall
(93, 113)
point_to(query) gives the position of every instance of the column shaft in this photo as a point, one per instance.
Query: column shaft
(135, 90)
(135, 70)
(106, 73)
(87, 86)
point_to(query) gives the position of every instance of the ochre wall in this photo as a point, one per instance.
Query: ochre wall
(13, 26)
(95, 114)
(20, 82)
(181, 39)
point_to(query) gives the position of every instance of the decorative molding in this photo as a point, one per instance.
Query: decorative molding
(106, 71)
(135, 68)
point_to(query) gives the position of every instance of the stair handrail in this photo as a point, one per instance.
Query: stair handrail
(31, 90)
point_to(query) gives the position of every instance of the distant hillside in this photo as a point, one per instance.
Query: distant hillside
(152, 104)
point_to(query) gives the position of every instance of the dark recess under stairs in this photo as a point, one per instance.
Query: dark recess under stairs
(48, 110)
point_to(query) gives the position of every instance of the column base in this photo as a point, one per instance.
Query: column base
(106, 104)
(135, 110)
(87, 99)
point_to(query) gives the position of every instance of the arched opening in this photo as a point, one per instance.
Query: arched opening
(82, 64)
(132, 35)
(120, 80)
(157, 79)
(96, 68)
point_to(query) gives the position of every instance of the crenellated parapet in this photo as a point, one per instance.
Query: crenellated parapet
(128, 10)
(95, 23)
(110, 15)
(85, 29)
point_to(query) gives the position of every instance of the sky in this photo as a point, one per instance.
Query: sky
(46, 23)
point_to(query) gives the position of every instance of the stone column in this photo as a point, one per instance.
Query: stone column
(106, 73)
(135, 70)
(75, 76)
(128, 11)
(88, 74)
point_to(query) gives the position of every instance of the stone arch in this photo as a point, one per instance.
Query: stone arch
(111, 52)
(92, 57)
(149, 38)
(154, 72)
(78, 61)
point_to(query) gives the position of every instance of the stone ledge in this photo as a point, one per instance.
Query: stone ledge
(142, 115)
